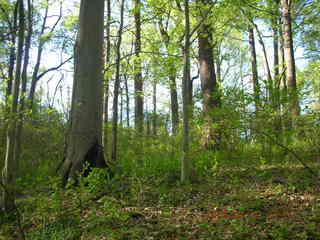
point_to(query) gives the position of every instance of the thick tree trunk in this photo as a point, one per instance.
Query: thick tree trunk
(138, 83)
(210, 136)
(85, 139)
(9, 173)
(289, 59)
(114, 153)
(185, 163)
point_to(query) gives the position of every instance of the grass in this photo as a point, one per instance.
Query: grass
(278, 202)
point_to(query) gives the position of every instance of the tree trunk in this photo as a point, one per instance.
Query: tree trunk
(172, 83)
(121, 106)
(138, 84)
(209, 86)
(276, 69)
(174, 104)
(114, 153)
(127, 100)
(185, 163)
(34, 79)
(254, 69)
(85, 139)
(289, 59)
(9, 173)
(24, 78)
(12, 56)
(283, 79)
(106, 80)
(154, 115)
(267, 66)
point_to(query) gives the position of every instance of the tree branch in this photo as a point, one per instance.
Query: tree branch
(53, 68)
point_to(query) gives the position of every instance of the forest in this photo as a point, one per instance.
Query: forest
(159, 119)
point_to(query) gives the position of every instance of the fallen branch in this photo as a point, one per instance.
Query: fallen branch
(293, 153)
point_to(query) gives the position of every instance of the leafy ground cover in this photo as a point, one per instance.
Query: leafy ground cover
(278, 202)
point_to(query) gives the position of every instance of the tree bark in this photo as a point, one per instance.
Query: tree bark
(114, 153)
(12, 57)
(210, 136)
(267, 66)
(154, 114)
(9, 173)
(24, 78)
(106, 79)
(289, 58)
(185, 163)
(254, 69)
(172, 84)
(127, 100)
(41, 43)
(35, 73)
(138, 83)
(85, 139)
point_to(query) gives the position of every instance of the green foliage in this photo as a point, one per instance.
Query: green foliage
(96, 181)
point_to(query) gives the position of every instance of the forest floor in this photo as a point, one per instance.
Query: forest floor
(278, 202)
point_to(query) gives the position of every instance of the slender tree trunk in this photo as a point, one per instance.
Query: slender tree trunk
(108, 55)
(154, 115)
(289, 58)
(276, 69)
(185, 163)
(138, 84)
(11, 166)
(127, 100)
(267, 65)
(24, 79)
(121, 106)
(174, 103)
(283, 79)
(85, 139)
(218, 64)
(106, 79)
(172, 83)
(210, 137)
(12, 57)
(254, 69)
(35, 74)
(114, 154)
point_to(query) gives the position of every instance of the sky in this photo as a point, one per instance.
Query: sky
(49, 84)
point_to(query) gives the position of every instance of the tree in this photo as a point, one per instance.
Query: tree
(10, 170)
(172, 80)
(85, 139)
(254, 69)
(114, 153)
(107, 78)
(289, 58)
(208, 79)
(185, 163)
(138, 84)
